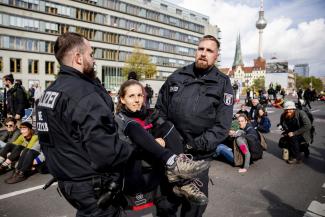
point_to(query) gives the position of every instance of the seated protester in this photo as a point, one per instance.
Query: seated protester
(242, 111)
(263, 123)
(248, 142)
(11, 133)
(225, 149)
(132, 111)
(296, 126)
(252, 115)
(278, 103)
(27, 139)
(25, 163)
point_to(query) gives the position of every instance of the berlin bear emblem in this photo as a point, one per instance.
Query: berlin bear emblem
(228, 99)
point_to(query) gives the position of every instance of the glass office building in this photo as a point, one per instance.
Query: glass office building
(166, 32)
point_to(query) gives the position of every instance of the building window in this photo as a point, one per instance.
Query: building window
(87, 33)
(110, 38)
(51, 28)
(15, 65)
(163, 6)
(49, 47)
(112, 77)
(86, 15)
(178, 11)
(49, 67)
(32, 66)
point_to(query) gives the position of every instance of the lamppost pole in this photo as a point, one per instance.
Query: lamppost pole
(118, 52)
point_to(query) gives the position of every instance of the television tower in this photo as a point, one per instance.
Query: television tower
(260, 25)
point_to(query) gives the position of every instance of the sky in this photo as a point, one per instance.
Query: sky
(295, 29)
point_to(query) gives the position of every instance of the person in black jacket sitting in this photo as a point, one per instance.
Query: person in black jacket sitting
(262, 123)
(248, 142)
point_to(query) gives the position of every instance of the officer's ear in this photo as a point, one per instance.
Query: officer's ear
(78, 58)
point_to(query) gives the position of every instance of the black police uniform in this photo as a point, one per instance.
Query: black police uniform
(79, 139)
(200, 105)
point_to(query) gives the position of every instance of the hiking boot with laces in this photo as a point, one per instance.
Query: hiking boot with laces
(185, 168)
(192, 192)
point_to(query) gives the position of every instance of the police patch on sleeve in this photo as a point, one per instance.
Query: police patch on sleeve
(228, 99)
(49, 99)
(173, 89)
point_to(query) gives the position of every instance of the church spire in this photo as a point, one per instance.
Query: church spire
(238, 61)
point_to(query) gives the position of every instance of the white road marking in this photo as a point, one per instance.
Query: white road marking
(323, 185)
(15, 193)
(317, 208)
(317, 110)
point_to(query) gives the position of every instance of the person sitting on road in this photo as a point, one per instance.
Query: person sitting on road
(242, 110)
(262, 123)
(11, 133)
(131, 118)
(11, 152)
(296, 132)
(25, 166)
(252, 115)
(278, 102)
(248, 142)
(226, 149)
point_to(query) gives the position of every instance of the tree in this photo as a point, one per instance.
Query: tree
(305, 82)
(259, 83)
(140, 63)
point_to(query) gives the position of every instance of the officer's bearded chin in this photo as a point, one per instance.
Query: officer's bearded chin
(201, 65)
(90, 72)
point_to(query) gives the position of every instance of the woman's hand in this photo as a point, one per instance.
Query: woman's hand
(161, 142)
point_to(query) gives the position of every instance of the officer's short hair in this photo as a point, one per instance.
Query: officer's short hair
(66, 42)
(212, 38)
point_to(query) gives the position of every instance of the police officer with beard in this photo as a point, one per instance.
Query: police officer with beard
(198, 100)
(77, 131)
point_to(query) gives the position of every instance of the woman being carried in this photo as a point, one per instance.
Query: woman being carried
(131, 117)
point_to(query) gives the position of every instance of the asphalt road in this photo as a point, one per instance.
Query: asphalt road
(270, 188)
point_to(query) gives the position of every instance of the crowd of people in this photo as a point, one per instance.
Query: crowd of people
(102, 156)
(19, 146)
(276, 97)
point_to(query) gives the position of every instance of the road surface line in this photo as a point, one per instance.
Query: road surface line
(317, 208)
(317, 110)
(15, 193)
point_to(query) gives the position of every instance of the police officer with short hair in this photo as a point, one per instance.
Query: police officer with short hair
(198, 100)
(77, 131)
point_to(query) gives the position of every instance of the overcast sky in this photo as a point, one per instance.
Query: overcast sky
(295, 29)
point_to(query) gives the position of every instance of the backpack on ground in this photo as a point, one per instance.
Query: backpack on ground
(262, 140)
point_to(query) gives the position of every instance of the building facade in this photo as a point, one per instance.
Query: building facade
(166, 32)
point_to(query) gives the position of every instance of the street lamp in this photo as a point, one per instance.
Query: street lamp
(119, 44)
